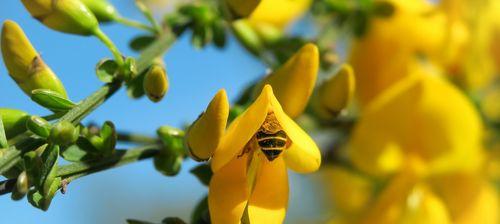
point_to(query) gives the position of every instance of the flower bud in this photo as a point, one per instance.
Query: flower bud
(63, 133)
(156, 83)
(24, 64)
(205, 133)
(293, 83)
(336, 92)
(21, 188)
(103, 10)
(169, 159)
(242, 8)
(67, 16)
(39, 126)
(14, 121)
(247, 36)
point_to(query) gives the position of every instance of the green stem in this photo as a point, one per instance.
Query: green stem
(120, 158)
(149, 16)
(136, 138)
(111, 46)
(135, 24)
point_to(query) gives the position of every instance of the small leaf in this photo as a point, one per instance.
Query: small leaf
(135, 87)
(3, 138)
(200, 213)
(203, 173)
(106, 70)
(129, 68)
(48, 171)
(109, 137)
(38, 126)
(172, 220)
(35, 198)
(141, 42)
(51, 100)
(47, 198)
(81, 151)
(133, 221)
(219, 34)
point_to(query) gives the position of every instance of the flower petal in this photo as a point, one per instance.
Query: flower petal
(303, 155)
(269, 199)
(241, 130)
(228, 192)
(204, 135)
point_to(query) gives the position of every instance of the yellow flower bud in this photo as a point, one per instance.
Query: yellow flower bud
(294, 82)
(156, 83)
(204, 135)
(68, 16)
(14, 121)
(24, 64)
(242, 8)
(102, 9)
(336, 92)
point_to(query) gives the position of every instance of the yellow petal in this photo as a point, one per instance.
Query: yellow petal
(269, 199)
(411, 119)
(241, 130)
(24, 64)
(470, 198)
(303, 155)
(422, 206)
(336, 92)
(228, 192)
(279, 13)
(294, 82)
(204, 135)
(349, 191)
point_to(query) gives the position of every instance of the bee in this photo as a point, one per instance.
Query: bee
(271, 138)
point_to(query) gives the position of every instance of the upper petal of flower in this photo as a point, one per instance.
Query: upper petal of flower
(241, 130)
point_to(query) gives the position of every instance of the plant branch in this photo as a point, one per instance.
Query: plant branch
(136, 138)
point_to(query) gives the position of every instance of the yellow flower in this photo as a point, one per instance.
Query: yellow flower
(385, 53)
(205, 133)
(335, 93)
(293, 83)
(252, 180)
(422, 120)
(24, 64)
(68, 16)
(278, 13)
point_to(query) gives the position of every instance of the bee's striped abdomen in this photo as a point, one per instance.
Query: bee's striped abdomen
(271, 144)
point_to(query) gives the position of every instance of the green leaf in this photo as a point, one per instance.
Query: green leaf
(47, 198)
(106, 70)
(83, 150)
(48, 171)
(203, 173)
(384, 9)
(172, 220)
(35, 198)
(51, 100)
(134, 221)
(219, 33)
(109, 137)
(3, 138)
(141, 42)
(38, 126)
(200, 213)
(135, 87)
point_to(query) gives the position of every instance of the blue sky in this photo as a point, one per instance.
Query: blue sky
(135, 191)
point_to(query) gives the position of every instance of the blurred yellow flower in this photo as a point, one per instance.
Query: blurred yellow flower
(383, 55)
(250, 177)
(278, 13)
(423, 120)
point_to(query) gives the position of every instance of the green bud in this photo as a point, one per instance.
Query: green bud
(21, 188)
(169, 159)
(103, 10)
(14, 121)
(247, 36)
(63, 133)
(156, 83)
(67, 16)
(24, 64)
(51, 100)
(39, 126)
